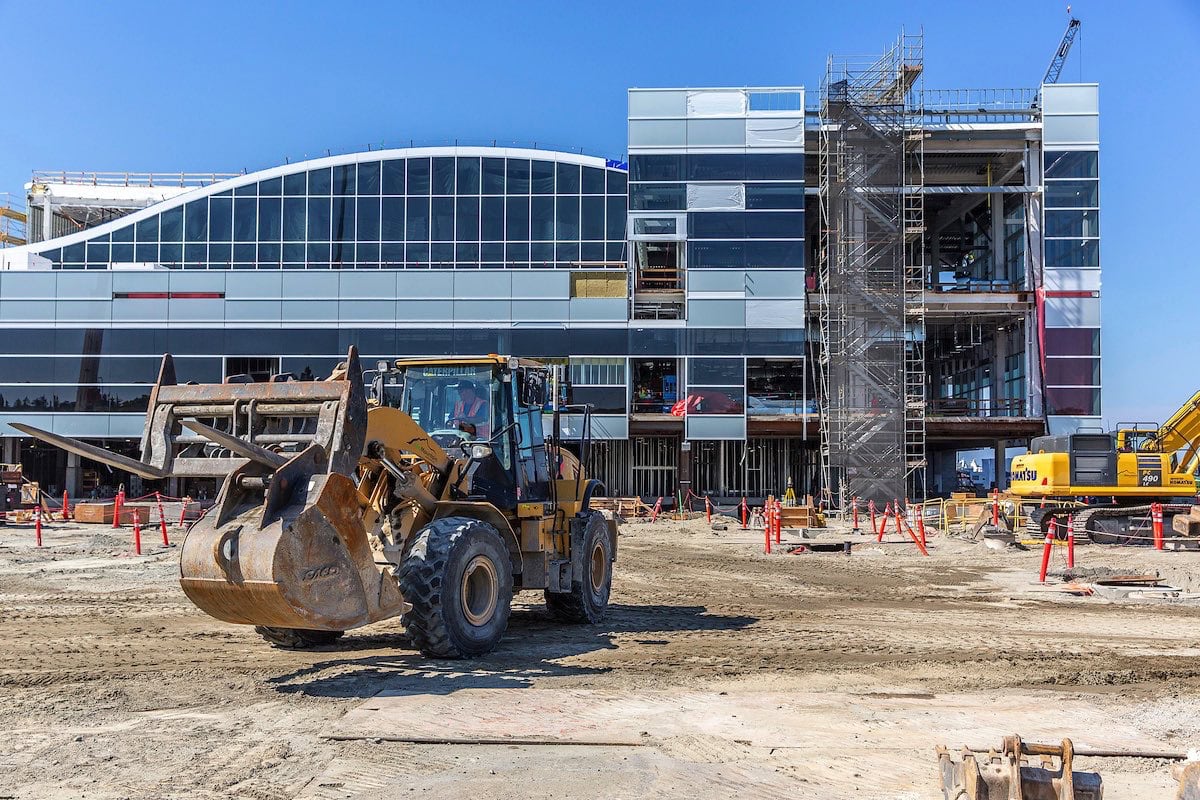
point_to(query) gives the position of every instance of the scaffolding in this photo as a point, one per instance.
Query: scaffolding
(872, 275)
(12, 221)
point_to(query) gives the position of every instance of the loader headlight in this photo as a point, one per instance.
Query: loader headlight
(480, 451)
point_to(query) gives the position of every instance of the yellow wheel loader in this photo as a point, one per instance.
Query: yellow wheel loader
(435, 500)
(1118, 474)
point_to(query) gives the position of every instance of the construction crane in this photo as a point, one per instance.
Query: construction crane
(1060, 55)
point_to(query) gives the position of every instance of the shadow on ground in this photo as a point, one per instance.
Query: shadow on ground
(528, 652)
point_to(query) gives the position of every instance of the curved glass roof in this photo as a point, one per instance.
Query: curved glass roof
(412, 208)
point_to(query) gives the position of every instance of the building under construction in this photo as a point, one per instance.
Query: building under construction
(848, 288)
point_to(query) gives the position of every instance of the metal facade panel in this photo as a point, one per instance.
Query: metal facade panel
(198, 281)
(483, 283)
(657, 104)
(353, 312)
(83, 311)
(141, 281)
(30, 284)
(87, 285)
(700, 426)
(1072, 312)
(482, 310)
(596, 309)
(541, 283)
(365, 284)
(420, 283)
(322, 285)
(775, 283)
(254, 310)
(254, 285)
(717, 280)
(541, 310)
(716, 314)
(305, 310)
(1076, 130)
(139, 310)
(716, 133)
(31, 310)
(657, 133)
(421, 310)
(1070, 98)
(196, 310)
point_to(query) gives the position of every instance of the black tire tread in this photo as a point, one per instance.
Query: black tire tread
(421, 586)
(571, 607)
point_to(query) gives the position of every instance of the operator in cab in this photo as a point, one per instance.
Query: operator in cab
(471, 410)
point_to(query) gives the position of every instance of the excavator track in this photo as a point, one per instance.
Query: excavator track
(1037, 524)
(1129, 525)
(1104, 524)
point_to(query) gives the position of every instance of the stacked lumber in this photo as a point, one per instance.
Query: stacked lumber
(801, 517)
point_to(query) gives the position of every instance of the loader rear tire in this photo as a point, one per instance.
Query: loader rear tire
(587, 602)
(296, 638)
(458, 578)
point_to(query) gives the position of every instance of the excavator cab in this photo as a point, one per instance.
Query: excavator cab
(433, 501)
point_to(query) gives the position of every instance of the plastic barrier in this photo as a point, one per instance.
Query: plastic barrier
(745, 513)
(1156, 514)
(162, 519)
(66, 509)
(37, 525)
(137, 531)
(1047, 544)
(657, 510)
(854, 509)
(118, 504)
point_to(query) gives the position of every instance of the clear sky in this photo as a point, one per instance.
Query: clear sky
(225, 86)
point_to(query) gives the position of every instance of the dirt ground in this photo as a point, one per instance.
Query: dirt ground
(113, 686)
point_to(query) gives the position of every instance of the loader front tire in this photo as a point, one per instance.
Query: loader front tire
(296, 638)
(458, 578)
(587, 601)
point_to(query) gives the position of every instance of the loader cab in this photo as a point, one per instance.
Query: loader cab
(494, 402)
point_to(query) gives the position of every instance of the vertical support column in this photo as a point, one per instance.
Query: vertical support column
(71, 475)
(684, 470)
(1033, 278)
(11, 452)
(998, 452)
(999, 358)
(999, 267)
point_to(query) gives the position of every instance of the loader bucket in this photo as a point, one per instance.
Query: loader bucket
(297, 557)
(285, 545)
(1006, 774)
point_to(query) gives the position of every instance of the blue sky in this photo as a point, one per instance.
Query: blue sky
(166, 86)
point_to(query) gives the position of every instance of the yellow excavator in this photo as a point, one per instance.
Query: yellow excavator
(1119, 474)
(435, 500)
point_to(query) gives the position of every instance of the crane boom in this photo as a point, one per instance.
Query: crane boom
(1060, 55)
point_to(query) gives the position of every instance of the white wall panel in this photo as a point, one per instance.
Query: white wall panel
(716, 196)
(774, 132)
(775, 313)
(721, 103)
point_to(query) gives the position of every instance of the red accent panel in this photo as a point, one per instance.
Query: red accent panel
(168, 295)
(1072, 293)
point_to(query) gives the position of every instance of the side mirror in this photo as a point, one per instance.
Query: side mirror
(533, 388)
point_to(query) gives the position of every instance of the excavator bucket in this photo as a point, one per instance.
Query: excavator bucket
(284, 545)
(1006, 774)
